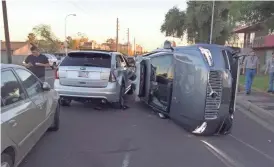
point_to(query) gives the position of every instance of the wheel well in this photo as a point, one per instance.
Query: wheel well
(10, 151)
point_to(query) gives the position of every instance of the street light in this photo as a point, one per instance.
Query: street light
(66, 47)
(212, 20)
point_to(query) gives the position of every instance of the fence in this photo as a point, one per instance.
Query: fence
(18, 59)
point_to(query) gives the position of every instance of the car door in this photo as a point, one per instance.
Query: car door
(33, 87)
(122, 69)
(18, 112)
(129, 72)
(163, 65)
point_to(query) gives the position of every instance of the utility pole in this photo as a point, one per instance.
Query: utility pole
(134, 47)
(117, 34)
(212, 20)
(6, 27)
(128, 41)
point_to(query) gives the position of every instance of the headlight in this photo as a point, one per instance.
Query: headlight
(207, 55)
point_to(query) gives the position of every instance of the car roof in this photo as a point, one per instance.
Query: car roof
(3, 66)
(94, 51)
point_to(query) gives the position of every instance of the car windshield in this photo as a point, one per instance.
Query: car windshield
(87, 59)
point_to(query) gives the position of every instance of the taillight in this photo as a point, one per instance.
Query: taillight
(112, 77)
(56, 74)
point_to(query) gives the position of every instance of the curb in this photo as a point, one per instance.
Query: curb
(259, 112)
(257, 90)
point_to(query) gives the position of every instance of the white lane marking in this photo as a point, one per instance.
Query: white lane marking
(253, 148)
(229, 162)
(126, 160)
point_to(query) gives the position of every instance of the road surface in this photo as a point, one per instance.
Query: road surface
(136, 137)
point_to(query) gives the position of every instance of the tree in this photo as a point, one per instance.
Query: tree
(69, 42)
(252, 12)
(174, 24)
(47, 41)
(32, 39)
(196, 22)
(111, 43)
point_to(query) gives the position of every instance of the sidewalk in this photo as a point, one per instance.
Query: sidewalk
(259, 103)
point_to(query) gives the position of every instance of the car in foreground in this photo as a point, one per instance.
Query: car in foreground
(53, 61)
(93, 75)
(28, 109)
(193, 85)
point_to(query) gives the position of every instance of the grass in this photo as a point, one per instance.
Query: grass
(260, 82)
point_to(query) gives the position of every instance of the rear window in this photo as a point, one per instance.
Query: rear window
(87, 59)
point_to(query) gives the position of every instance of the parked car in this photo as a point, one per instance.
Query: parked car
(193, 85)
(93, 75)
(53, 61)
(28, 109)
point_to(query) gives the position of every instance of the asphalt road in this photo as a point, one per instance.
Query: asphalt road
(136, 137)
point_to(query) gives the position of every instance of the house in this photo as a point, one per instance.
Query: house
(259, 38)
(19, 50)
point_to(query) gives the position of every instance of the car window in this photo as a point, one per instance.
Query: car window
(87, 59)
(11, 90)
(121, 57)
(118, 61)
(163, 65)
(32, 85)
(226, 59)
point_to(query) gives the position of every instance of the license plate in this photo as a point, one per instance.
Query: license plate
(83, 74)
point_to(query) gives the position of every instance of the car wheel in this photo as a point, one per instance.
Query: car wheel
(56, 121)
(121, 102)
(6, 160)
(64, 102)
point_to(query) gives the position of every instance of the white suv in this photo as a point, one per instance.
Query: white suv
(91, 75)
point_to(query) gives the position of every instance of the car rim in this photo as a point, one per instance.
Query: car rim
(5, 164)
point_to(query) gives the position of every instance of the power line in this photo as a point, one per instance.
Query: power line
(79, 7)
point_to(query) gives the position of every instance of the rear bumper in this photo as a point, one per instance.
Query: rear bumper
(109, 93)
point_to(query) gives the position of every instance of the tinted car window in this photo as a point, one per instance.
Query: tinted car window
(87, 59)
(11, 90)
(32, 85)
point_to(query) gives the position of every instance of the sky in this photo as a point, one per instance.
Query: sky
(95, 18)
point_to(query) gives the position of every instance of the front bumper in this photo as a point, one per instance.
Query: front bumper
(109, 93)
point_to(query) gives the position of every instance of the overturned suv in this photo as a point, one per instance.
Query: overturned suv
(193, 85)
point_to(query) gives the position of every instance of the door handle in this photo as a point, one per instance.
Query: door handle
(13, 123)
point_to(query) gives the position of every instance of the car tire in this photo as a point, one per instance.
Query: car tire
(6, 159)
(56, 120)
(64, 102)
(121, 102)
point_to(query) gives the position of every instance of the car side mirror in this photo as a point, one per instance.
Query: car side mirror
(46, 86)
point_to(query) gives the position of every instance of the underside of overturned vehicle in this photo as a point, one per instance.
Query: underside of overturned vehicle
(193, 85)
